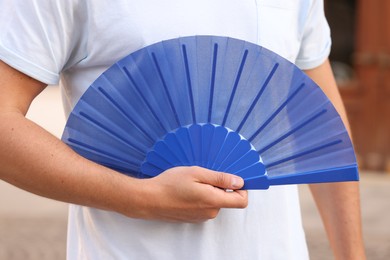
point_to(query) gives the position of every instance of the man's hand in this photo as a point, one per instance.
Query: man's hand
(191, 194)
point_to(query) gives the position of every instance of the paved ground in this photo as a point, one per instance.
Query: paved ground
(34, 228)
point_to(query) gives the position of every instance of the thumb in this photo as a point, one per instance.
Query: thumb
(219, 179)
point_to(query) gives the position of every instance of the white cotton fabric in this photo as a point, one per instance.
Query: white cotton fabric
(74, 41)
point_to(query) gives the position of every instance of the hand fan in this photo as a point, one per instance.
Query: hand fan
(215, 102)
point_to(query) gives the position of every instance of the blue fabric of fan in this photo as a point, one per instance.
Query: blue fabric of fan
(214, 102)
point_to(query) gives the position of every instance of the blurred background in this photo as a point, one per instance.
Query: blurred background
(361, 62)
(32, 227)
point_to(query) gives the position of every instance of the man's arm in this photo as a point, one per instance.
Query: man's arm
(338, 203)
(36, 161)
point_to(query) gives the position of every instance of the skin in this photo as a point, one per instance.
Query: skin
(35, 160)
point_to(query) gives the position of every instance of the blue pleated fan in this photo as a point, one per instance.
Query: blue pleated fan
(215, 102)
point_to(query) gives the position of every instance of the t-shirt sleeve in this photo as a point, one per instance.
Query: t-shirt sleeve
(316, 39)
(41, 38)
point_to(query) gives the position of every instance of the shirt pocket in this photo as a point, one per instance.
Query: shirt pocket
(282, 4)
(279, 31)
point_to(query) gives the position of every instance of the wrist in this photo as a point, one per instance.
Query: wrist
(132, 197)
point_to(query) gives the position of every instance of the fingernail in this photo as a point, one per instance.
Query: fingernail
(237, 182)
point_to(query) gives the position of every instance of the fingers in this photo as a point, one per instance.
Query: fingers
(237, 199)
(220, 182)
(218, 179)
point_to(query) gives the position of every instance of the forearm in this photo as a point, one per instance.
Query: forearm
(36, 161)
(339, 206)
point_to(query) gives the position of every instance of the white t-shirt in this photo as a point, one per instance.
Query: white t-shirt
(75, 41)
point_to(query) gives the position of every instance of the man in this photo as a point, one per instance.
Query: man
(183, 213)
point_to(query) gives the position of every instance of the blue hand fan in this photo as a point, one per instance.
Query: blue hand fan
(215, 102)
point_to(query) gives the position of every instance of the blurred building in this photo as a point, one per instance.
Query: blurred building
(361, 62)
